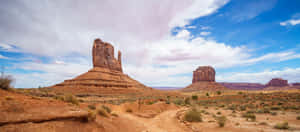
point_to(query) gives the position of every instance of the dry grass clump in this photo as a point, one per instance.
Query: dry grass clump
(193, 116)
(92, 107)
(71, 99)
(106, 108)
(250, 116)
(129, 110)
(102, 112)
(91, 116)
(284, 125)
(5, 82)
(221, 121)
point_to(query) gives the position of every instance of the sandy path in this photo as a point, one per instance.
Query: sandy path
(164, 122)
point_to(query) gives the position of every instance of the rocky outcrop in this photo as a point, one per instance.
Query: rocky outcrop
(204, 80)
(243, 86)
(277, 82)
(103, 56)
(106, 77)
(204, 73)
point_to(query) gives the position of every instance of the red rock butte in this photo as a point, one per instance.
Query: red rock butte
(204, 73)
(277, 82)
(106, 76)
(204, 79)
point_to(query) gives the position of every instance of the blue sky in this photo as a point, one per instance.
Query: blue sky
(44, 43)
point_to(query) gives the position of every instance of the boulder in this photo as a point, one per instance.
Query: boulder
(277, 82)
(204, 73)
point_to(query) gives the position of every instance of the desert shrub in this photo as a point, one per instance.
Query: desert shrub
(193, 116)
(91, 116)
(219, 92)
(242, 108)
(219, 113)
(194, 97)
(5, 82)
(240, 93)
(150, 103)
(187, 101)
(221, 121)
(106, 108)
(273, 113)
(207, 94)
(8, 98)
(92, 107)
(263, 123)
(102, 112)
(298, 117)
(284, 125)
(114, 114)
(275, 108)
(178, 102)
(250, 116)
(71, 99)
(129, 110)
(263, 110)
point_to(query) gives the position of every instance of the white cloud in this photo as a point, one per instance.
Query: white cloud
(185, 34)
(291, 74)
(205, 33)
(291, 22)
(3, 57)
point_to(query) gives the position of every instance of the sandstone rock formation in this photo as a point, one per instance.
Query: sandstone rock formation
(204, 79)
(204, 73)
(243, 86)
(277, 82)
(103, 56)
(106, 77)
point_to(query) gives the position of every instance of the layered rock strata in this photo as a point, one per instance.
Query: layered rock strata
(204, 79)
(277, 82)
(106, 77)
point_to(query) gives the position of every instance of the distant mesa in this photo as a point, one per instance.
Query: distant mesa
(204, 79)
(277, 82)
(106, 76)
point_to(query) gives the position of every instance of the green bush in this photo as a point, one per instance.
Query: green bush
(195, 97)
(193, 116)
(178, 102)
(284, 125)
(275, 108)
(219, 92)
(5, 82)
(221, 121)
(298, 118)
(207, 94)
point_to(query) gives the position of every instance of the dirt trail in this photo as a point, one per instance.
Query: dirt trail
(164, 122)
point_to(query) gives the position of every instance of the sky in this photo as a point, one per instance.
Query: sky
(162, 42)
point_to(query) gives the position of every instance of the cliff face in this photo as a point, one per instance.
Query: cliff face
(277, 82)
(106, 77)
(103, 56)
(204, 80)
(204, 73)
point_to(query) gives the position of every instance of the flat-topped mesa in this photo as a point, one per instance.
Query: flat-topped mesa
(103, 56)
(277, 82)
(204, 73)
